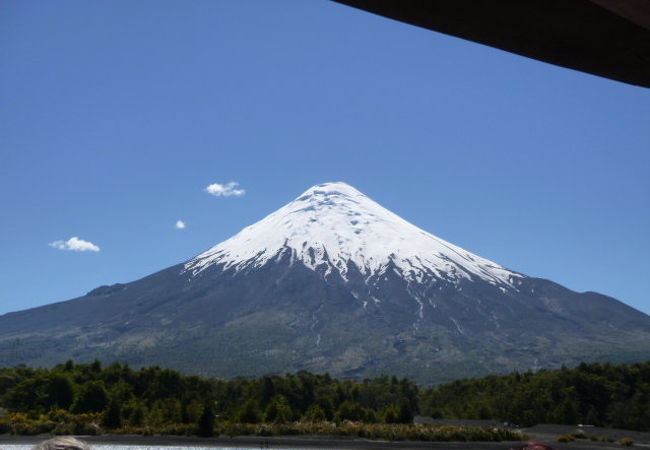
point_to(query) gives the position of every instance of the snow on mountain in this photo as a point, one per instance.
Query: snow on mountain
(331, 225)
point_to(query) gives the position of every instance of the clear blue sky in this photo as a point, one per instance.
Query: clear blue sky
(115, 116)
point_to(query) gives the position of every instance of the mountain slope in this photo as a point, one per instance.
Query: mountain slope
(332, 282)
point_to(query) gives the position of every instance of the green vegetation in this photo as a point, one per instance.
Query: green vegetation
(90, 399)
(206, 421)
(616, 396)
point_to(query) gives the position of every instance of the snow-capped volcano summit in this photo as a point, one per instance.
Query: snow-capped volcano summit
(332, 225)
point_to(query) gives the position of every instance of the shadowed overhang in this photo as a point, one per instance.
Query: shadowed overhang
(610, 38)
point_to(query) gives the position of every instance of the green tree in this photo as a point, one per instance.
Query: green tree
(136, 419)
(91, 397)
(278, 410)
(25, 396)
(96, 366)
(349, 410)
(249, 412)
(40, 393)
(112, 417)
(390, 415)
(314, 414)
(268, 391)
(592, 417)
(60, 391)
(326, 403)
(205, 426)
(404, 412)
(566, 413)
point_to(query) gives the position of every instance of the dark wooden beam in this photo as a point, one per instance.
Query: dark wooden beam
(610, 38)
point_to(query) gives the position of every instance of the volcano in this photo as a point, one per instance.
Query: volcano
(332, 282)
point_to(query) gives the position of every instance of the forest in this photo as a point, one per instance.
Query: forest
(616, 396)
(91, 399)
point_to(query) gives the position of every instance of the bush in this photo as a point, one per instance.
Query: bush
(566, 438)
(626, 442)
(579, 435)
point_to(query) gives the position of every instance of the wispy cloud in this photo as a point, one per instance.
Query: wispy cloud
(225, 190)
(180, 225)
(76, 245)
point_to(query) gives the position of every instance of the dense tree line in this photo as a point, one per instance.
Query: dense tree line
(615, 396)
(121, 397)
(154, 396)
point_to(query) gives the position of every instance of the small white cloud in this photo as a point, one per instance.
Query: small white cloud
(180, 225)
(225, 190)
(75, 244)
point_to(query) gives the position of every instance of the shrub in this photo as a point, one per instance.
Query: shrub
(566, 438)
(579, 435)
(626, 442)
